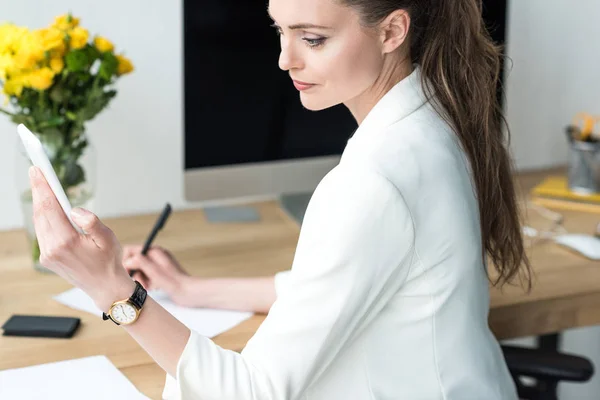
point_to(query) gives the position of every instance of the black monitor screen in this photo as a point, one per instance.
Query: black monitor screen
(239, 106)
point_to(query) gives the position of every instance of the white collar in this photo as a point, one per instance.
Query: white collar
(399, 102)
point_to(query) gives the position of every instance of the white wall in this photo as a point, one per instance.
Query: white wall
(553, 46)
(555, 52)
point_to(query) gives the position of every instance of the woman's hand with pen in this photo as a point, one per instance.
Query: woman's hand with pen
(157, 270)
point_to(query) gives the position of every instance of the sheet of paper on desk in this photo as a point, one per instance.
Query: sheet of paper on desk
(90, 378)
(206, 322)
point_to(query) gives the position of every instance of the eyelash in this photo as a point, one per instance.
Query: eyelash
(312, 43)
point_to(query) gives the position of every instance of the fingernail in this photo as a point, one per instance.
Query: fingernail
(80, 212)
(32, 171)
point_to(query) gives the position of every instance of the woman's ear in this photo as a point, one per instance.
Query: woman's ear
(394, 30)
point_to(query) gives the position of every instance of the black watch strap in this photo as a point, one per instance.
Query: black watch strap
(137, 299)
(139, 295)
(105, 316)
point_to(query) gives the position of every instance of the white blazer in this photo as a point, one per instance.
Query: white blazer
(387, 297)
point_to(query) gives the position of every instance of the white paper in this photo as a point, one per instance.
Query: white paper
(90, 378)
(206, 322)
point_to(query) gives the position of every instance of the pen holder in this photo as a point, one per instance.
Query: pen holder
(584, 167)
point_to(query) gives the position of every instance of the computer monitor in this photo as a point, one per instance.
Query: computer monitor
(246, 132)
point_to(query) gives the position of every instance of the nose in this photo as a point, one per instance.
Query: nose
(288, 58)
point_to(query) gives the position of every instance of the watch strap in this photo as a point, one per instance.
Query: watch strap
(139, 296)
(137, 299)
(105, 316)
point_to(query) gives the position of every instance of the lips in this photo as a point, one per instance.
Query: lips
(302, 85)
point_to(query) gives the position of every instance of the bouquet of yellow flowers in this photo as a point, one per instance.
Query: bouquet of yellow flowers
(55, 79)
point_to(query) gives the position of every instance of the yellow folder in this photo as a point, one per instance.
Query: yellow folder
(554, 192)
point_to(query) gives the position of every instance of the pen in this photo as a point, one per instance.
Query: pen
(158, 225)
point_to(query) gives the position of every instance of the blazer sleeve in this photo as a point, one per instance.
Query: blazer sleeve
(354, 252)
(281, 281)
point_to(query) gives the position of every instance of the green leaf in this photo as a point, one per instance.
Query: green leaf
(77, 60)
(28, 98)
(96, 104)
(6, 112)
(51, 123)
(72, 174)
(59, 93)
(93, 52)
(52, 140)
(109, 66)
(77, 130)
(26, 120)
(41, 114)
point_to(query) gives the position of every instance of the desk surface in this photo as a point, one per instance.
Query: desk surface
(566, 292)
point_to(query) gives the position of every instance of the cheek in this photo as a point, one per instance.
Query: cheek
(344, 71)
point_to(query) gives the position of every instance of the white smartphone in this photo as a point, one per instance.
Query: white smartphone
(39, 158)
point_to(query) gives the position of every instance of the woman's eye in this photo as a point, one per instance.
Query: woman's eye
(312, 43)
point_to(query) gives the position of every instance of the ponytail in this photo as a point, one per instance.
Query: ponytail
(460, 69)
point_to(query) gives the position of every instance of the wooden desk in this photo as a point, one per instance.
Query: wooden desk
(566, 292)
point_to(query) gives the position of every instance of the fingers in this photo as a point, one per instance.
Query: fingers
(142, 279)
(167, 252)
(141, 263)
(49, 219)
(130, 250)
(91, 224)
(160, 256)
(154, 253)
(144, 270)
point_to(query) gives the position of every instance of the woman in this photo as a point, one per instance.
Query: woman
(387, 297)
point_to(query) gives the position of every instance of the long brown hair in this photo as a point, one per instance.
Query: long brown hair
(460, 68)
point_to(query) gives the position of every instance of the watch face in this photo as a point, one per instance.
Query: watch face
(123, 313)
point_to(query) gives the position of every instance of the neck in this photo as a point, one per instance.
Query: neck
(361, 105)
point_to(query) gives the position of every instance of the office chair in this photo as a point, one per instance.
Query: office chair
(548, 367)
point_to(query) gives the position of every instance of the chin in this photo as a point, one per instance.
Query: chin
(314, 102)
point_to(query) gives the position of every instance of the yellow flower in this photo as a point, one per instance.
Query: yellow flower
(14, 86)
(125, 65)
(65, 22)
(79, 38)
(29, 52)
(57, 64)
(40, 79)
(103, 44)
(51, 39)
(7, 64)
(25, 61)
(10, 37)
(6, 32)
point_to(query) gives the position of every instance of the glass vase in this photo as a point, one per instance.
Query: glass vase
(80, 194)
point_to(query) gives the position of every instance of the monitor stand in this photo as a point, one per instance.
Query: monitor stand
(231, 214)
(295, 205)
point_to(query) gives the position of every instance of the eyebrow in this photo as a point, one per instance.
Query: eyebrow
(302, 25)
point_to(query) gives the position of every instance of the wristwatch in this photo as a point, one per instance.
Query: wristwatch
(126, 312)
